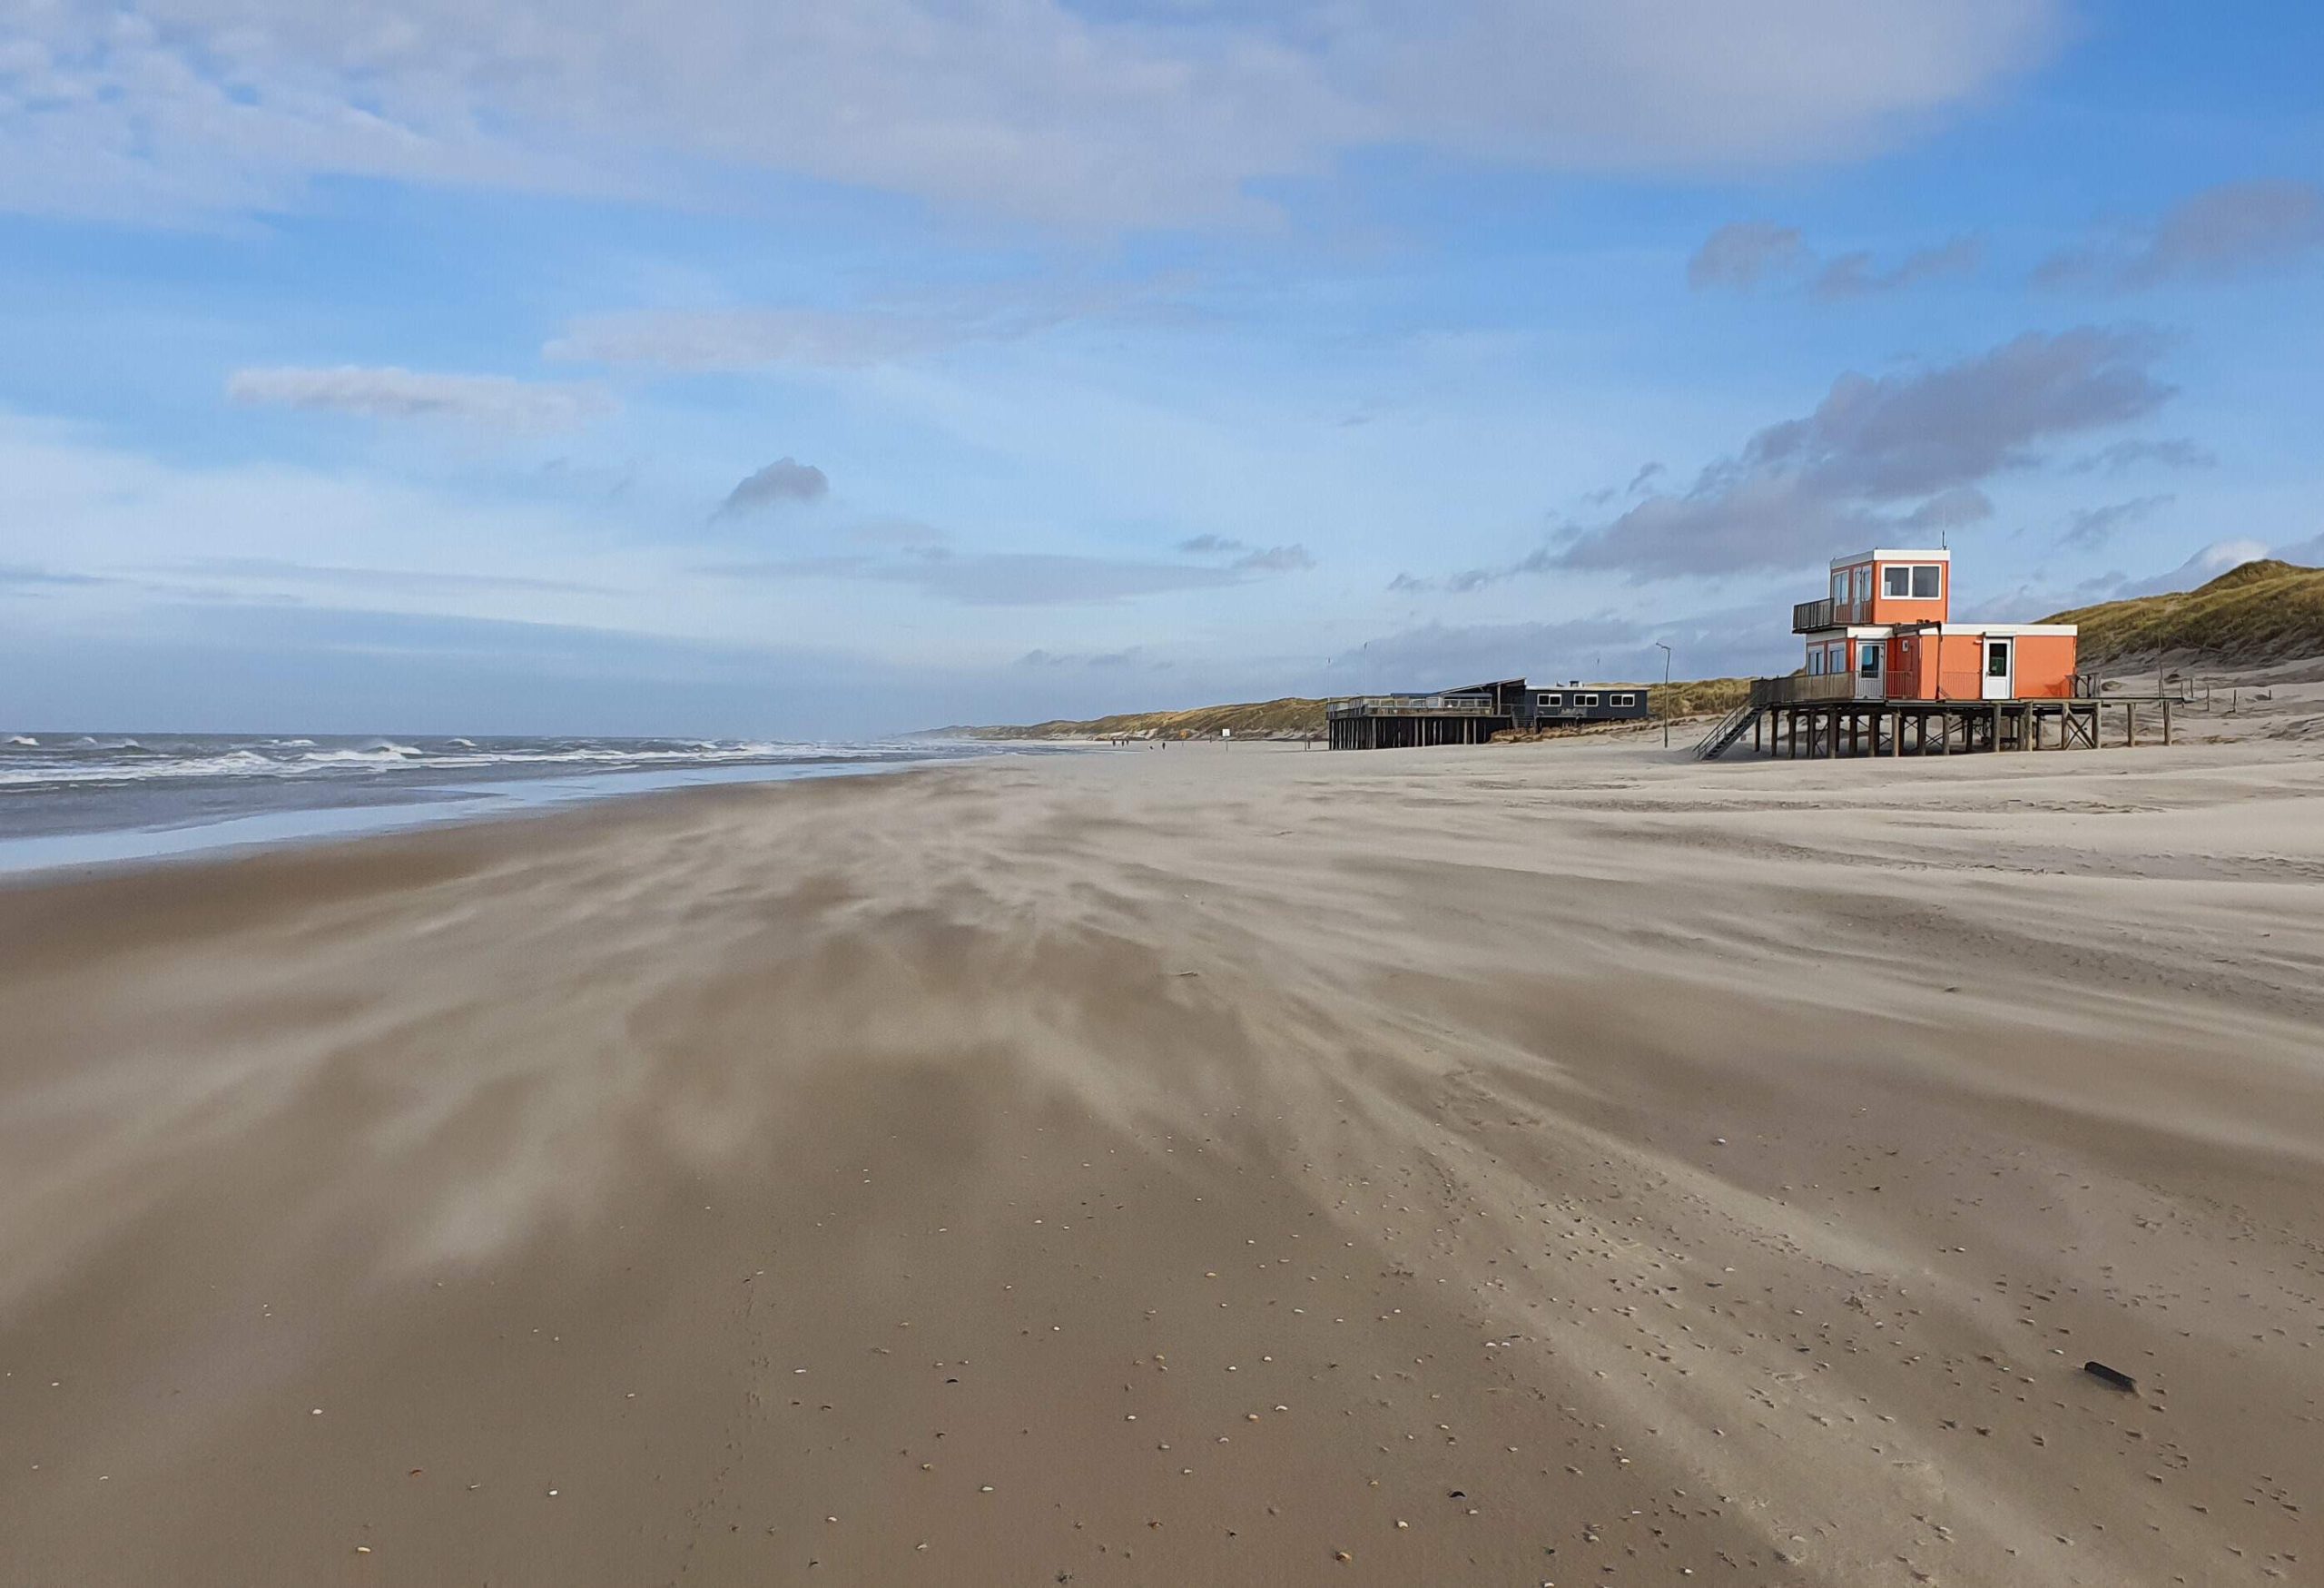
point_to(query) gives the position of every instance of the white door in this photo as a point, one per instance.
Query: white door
(2001, 668)
(1871, 663)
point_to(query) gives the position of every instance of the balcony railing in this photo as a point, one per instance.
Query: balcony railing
(1800, 689)
(1808, 616)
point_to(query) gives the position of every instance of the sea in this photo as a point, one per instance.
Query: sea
(84, 799)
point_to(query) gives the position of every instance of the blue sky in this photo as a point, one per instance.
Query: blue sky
(731, 367)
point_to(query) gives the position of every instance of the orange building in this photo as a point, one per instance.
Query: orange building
(1888, 625)
(1887, 672)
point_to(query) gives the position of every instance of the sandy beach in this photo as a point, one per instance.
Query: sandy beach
(1511, 1166)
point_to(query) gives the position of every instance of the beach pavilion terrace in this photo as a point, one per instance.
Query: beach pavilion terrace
(1473, 713)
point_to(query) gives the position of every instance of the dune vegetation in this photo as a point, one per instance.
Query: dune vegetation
(2262, 612)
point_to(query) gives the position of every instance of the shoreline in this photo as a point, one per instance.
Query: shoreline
(399, 810)
(1485, 1165)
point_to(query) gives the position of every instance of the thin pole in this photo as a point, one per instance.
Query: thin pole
(1666, 692)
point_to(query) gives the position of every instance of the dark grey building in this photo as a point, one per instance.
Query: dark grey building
(1551, 705)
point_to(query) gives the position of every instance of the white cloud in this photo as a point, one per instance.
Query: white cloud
(390, 393)
(1149, 111)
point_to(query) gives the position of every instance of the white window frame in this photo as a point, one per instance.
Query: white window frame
(1622, 700)
(1587, 702)
(1910, 573)
(1815, 661)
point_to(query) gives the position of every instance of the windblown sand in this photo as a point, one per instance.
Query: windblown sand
(1511, 1166)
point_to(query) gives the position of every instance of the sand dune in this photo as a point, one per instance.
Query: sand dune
(1511, 1166)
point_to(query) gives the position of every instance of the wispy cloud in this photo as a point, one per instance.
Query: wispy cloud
(1949, 509)
(1468, 581)
(2089, 529)
(497, 401)
(1808, 486)
(19, 577)
(1854, 275)
(1599, 646)
(1021, 578)
(2030, 601)
(1743, 254)
(1211, 545)
(1091, 661)
(1276, 559)
(2234, 228)
(411, 581)
(2168, 454)
(1746, 255)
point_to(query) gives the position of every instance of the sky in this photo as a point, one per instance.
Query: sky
(819, 371)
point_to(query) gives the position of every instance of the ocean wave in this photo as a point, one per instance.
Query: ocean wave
(90, 762)
(24, 742)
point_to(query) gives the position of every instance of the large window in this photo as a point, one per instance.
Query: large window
(1867, 659)
(1815, 662)
(1863, 584)
(1622, 700)
(1840, 588)
(1913, 581)
(1585, 700)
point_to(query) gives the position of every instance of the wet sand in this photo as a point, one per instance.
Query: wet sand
(1535, 1165)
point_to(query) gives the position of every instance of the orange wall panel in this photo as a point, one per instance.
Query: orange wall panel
(1961, 673)
(2046, 666)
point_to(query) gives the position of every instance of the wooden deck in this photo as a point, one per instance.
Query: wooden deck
(1809, 728)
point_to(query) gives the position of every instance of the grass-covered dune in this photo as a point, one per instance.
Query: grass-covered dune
(2259, 612)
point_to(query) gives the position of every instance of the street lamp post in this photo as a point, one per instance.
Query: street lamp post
(1666, 692)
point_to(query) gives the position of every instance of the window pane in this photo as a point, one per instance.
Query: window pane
(1868, 664)
(1997, 660)
(1925, 581)
(1896, 583)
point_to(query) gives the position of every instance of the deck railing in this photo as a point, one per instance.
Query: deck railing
(1799, 689)
(1809, 617)
(1406, 704)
